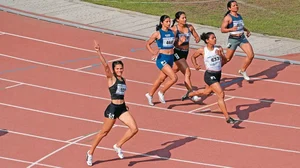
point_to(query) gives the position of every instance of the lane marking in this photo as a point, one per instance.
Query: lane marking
(89, 67)
(12, 86)
(63, 147)
(110, 149)
(192, 111)
(24, 161)
(17, 69)
(147, 106)
(134, 81)
(154, 131)
(140, 60)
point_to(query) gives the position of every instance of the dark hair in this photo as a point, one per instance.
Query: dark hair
(162, 19)
(114, 65)
(177, 16)
(205, 36)
(229, 6)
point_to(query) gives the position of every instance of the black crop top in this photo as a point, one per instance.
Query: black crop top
(117, 90)
(187, 35)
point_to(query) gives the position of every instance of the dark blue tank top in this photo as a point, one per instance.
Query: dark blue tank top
(237, 21)
(187, 35)
(167, 39)
(117, 90)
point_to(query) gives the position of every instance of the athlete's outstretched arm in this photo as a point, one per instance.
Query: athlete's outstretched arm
(107, 70)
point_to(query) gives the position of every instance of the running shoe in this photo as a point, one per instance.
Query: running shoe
(196, 98)
(232, 121)
(244, 74)
(119, 151)
(161, 97)
(89, 159)
(186, 96)
(149, 98)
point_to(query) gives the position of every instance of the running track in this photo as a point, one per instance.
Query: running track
(53, 93)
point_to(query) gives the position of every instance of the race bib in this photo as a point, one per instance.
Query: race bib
(239, 24)
(168, 41)
(121, 88)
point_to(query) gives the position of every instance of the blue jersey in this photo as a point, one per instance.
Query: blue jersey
(167, 39)
(237, 21)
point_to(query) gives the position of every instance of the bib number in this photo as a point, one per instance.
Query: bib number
(121, 88)
(168, 41)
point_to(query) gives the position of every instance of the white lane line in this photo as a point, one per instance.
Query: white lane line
(134, 81)
(110, 149)
(12, 86)
(209, 105)
(93, 65)
(117, 59)
(86, 67)
(140, 60)
(147, 106)
(24, 161)
(73, 139)
(154, 131)
(54, 152)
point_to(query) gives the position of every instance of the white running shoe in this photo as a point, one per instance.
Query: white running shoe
(119, 151)
(89, 159)
(196, 98)
(161, 97)
(244, 74)
(149, 99)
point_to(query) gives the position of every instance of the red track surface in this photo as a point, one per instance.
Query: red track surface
(46, 102)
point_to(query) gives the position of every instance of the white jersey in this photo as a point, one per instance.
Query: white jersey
(212, 61)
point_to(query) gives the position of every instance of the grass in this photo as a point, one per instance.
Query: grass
(269, 17)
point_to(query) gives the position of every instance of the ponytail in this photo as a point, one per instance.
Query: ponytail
(174, 20)
(227, 13)
(158, 26)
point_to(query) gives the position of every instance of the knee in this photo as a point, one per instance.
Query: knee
(175, 69)
(251, 55)
(221, 95)
(174, 78)
(134, 130)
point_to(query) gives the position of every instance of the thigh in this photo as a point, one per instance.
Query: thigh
(216, 88)
(247, 48)
(108, 124)
(182, 65)
(233, 43)
(128, 120)
(167, 70)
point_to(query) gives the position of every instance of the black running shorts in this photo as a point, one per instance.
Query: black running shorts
(114, 111)
(211, 77)
(179, 54)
